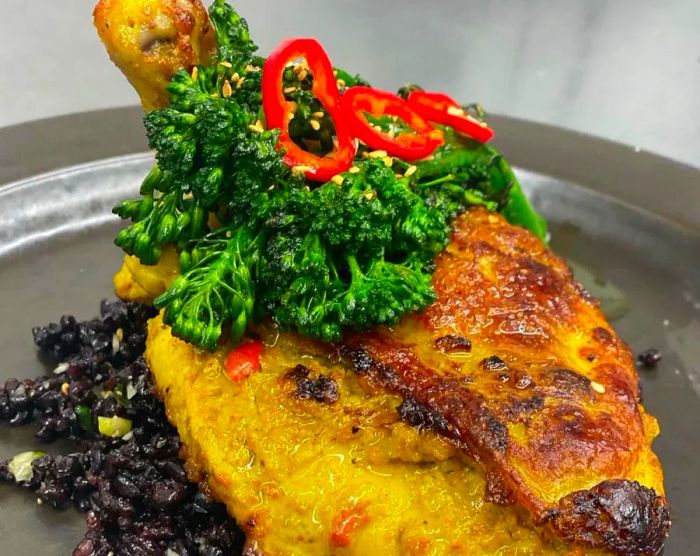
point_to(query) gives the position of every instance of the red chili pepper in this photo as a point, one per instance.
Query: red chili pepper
(346, 524)
(244, 360)
(279, 111)
(442, 109)
(357, 101)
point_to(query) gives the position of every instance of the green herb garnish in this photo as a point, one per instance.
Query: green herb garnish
(114, 427)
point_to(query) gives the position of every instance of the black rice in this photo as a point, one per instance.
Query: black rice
(133, 489)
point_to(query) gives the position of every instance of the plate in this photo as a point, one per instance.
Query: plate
(628, 222)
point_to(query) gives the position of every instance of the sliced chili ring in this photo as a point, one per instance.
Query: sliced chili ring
(279, 111)
(358, 101)
(244, 360)
(442, 109)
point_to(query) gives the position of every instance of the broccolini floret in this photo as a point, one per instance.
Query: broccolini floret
(257, 240)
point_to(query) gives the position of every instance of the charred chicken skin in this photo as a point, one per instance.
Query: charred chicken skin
(516, 364)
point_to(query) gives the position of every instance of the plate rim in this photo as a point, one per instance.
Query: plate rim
(43, 146)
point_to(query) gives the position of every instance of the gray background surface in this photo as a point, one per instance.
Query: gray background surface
(627, 70)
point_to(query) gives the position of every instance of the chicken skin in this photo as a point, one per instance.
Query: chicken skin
(149, 40)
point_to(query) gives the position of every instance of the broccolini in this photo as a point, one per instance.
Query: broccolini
(255, 239)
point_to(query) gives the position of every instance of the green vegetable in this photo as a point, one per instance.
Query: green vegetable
(84, 415)
(114, 427)
(21, 465)
(215, 287)
(232, 34)
(317, 259)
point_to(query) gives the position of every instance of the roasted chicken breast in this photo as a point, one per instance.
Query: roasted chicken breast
(516, 364)
(512, 383)
(148, 40)
(503, 419)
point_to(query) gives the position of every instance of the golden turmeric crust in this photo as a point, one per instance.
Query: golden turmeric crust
(547, 398)
(141, 283)
(517, 367)
(149, 40)
(292, 468)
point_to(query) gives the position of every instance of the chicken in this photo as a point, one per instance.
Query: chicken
(516, 364)
(512, 380)
(504, 415)
(311, 459)
(149, 40)
(141, 283)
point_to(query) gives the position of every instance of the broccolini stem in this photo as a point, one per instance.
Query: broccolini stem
(355, 270)
(438, 181)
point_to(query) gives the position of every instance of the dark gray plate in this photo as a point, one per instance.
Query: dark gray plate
(629, 223)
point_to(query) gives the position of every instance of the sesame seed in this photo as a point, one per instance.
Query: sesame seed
(255, 128)
(335, 73)
(354, 170)
(289, 90)
(226, 64)
(301, 68)
(388, 161)
(300, 169)
(377, 154)
(410, 171)
(195, 73)
(369, 195)
(251, 67)
(240, 83)
(39, 501)
(597, 387)
(337, 179)
(341, 83)
(455, 111)
(318, 114)
(235, 77)
(61, 368)
(64, 388)
(227, 90)
(303, 75)
(315, 125)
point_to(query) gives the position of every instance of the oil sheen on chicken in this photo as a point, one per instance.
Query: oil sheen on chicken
(326, 451)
